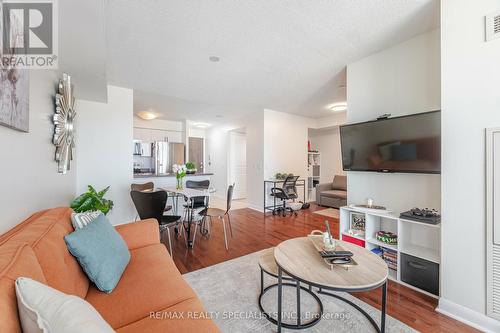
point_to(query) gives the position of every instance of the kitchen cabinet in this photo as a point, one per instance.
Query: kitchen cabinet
(159, 135)
(142, 134)
(152, 135)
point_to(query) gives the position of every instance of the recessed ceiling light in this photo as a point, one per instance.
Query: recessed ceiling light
(201, 125)
(147, 115)
(214, 59)
(219, 116)
(338, 107)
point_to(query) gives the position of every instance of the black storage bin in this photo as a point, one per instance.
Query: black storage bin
(420, 273)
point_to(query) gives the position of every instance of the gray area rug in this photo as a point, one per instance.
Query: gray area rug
(230, 291)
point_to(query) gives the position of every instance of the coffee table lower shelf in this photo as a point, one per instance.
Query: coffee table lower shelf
(296, 284)
(321, 290)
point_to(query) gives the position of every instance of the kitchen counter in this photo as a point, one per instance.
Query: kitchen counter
(151, 175)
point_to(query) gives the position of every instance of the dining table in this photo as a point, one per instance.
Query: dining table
(188, 194)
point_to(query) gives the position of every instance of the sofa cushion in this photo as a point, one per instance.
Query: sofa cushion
(15, 261)
(101, 251)
(151, 282)
(44, 232)
(334, 194)
(185, 317)
(140, 233)
(340, 183)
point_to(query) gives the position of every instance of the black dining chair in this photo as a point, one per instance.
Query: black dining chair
(197, 203)
(152, 205)
(287, 192)
(199, 185)
(149, 186)
(221, 214)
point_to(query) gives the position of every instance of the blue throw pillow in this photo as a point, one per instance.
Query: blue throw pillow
(101, 252)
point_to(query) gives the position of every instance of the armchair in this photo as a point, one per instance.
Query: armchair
(332, 194)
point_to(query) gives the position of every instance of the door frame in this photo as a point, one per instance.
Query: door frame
(228, 165)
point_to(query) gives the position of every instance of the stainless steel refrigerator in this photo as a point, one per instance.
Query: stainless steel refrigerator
(166, 154)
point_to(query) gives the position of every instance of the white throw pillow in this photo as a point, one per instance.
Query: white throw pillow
(45, 309)
(81, 220)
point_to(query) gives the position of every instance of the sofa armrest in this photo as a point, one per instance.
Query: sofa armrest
(320, 188)
(139, 234)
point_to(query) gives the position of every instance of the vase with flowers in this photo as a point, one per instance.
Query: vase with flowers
(180, 173)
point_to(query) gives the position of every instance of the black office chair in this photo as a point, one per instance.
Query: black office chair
(287, 192)
(152, 205)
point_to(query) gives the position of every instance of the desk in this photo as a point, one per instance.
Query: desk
(187, 193)
(274, 183)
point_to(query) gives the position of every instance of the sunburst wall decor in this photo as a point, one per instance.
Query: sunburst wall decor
(64, 117)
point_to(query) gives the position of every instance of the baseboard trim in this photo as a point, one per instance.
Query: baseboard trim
(219, 196)
(255, 207)
(467, 316)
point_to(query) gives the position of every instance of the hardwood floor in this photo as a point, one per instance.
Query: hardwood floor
(254, 232)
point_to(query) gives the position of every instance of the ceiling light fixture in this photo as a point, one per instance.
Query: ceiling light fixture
(214, 58)
(147, 115)
(201, 125)
(338, 107)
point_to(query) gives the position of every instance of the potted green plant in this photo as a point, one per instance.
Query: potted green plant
(91, 201)
(190, 168)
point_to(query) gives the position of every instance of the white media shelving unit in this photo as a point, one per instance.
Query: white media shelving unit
(313, 173)
(417, 239)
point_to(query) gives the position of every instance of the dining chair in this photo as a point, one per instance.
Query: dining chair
(149, 186)
(151, 205)
(220, 214)
(199, 185)
(197, 202)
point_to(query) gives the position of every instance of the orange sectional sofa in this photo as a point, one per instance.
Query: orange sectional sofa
(151, 296)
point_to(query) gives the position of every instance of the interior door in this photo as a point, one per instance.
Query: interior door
(196, 153)
(238, 164)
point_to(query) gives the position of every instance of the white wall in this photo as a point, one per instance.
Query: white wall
(276, 142)
(285, 146)
(400, 80)
(28, 172)
(254, 125)
(217, 150)
(216, 157)
(470, 103)
(104, 149)
(285, 143)
(327, 141)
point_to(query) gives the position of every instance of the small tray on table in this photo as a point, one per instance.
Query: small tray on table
(317, 241)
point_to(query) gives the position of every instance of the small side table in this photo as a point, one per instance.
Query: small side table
(268, 265)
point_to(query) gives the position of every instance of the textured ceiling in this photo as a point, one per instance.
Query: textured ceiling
(283, 55)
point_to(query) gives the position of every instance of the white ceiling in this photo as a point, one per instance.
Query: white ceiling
(283, 55)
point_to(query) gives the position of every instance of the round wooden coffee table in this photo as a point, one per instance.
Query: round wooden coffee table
(300, 260)
(268, 265)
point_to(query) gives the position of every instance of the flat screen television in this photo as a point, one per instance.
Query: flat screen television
(410, 144)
